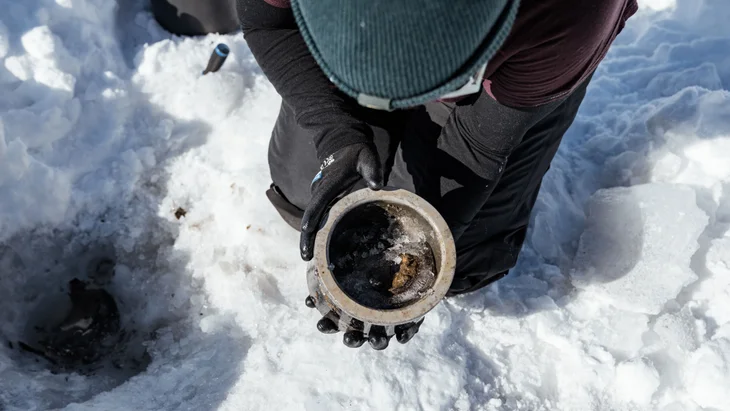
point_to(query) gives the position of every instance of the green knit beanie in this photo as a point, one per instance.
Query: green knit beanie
(402, 53)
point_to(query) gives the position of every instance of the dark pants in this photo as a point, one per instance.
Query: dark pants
(406, 142)
(196, 17)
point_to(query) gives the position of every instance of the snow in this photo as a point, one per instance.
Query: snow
(620, 300)
(635, 382)
(708, 374)
(623, 247)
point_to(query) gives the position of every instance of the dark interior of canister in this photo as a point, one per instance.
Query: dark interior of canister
(382, 255)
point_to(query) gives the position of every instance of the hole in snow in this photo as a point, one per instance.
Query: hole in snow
(66, 319)
(78, 329)
(82, 313)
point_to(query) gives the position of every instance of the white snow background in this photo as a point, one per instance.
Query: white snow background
(620, 301)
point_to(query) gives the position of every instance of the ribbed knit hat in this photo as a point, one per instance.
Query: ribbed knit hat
(401, 53)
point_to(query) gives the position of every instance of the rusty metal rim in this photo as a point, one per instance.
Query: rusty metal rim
(413, 311)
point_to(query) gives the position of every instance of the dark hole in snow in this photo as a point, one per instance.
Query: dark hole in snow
(79, 329)
(379, 258)
(66, 318)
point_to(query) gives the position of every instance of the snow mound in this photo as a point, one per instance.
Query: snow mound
(713, 295)
(636, 382)
(630, 254)
(708, 374)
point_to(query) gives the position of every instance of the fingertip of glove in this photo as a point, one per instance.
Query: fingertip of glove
(305, 251)
(378, 342)
(306, 245)
(327, 326)
(353, 339)
(375, 185)
(306, 254)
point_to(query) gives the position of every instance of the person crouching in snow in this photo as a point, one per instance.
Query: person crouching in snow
(463, 102)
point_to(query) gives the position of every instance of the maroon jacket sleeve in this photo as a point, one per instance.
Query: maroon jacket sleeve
(554, 46)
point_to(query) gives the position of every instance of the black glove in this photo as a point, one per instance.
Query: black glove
(377, 337)
(338, 173)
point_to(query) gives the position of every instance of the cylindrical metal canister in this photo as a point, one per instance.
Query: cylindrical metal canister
(413, 213)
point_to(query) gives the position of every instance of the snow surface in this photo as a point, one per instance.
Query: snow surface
(620, 301)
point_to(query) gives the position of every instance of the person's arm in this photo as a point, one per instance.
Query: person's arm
(472, 152)
(548, 54)
(278, 47)
(343, 142)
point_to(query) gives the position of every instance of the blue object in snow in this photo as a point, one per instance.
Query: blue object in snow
(217, 58)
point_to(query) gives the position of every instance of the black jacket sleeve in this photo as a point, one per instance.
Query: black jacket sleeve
(282, 54)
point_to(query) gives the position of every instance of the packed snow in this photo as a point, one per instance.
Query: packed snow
(620, 300)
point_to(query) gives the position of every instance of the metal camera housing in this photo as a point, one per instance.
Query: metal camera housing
(333, 302)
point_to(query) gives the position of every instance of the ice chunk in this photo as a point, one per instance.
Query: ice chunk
(29, 190)
(714, 291)
(42, 109)
(709, 161)
(666, 167)
(637, 245)
(13, 159)
(636, 382)
(707, 376)
(677, 330)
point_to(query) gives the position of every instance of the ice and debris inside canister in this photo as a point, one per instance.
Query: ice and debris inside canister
(380, 256)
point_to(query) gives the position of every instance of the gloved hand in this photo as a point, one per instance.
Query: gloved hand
(338, 173)
(377, 337)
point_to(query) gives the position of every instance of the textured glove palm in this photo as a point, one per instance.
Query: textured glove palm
(338, 173)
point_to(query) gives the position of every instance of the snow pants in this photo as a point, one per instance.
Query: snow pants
(406, 140)
(196, 17)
